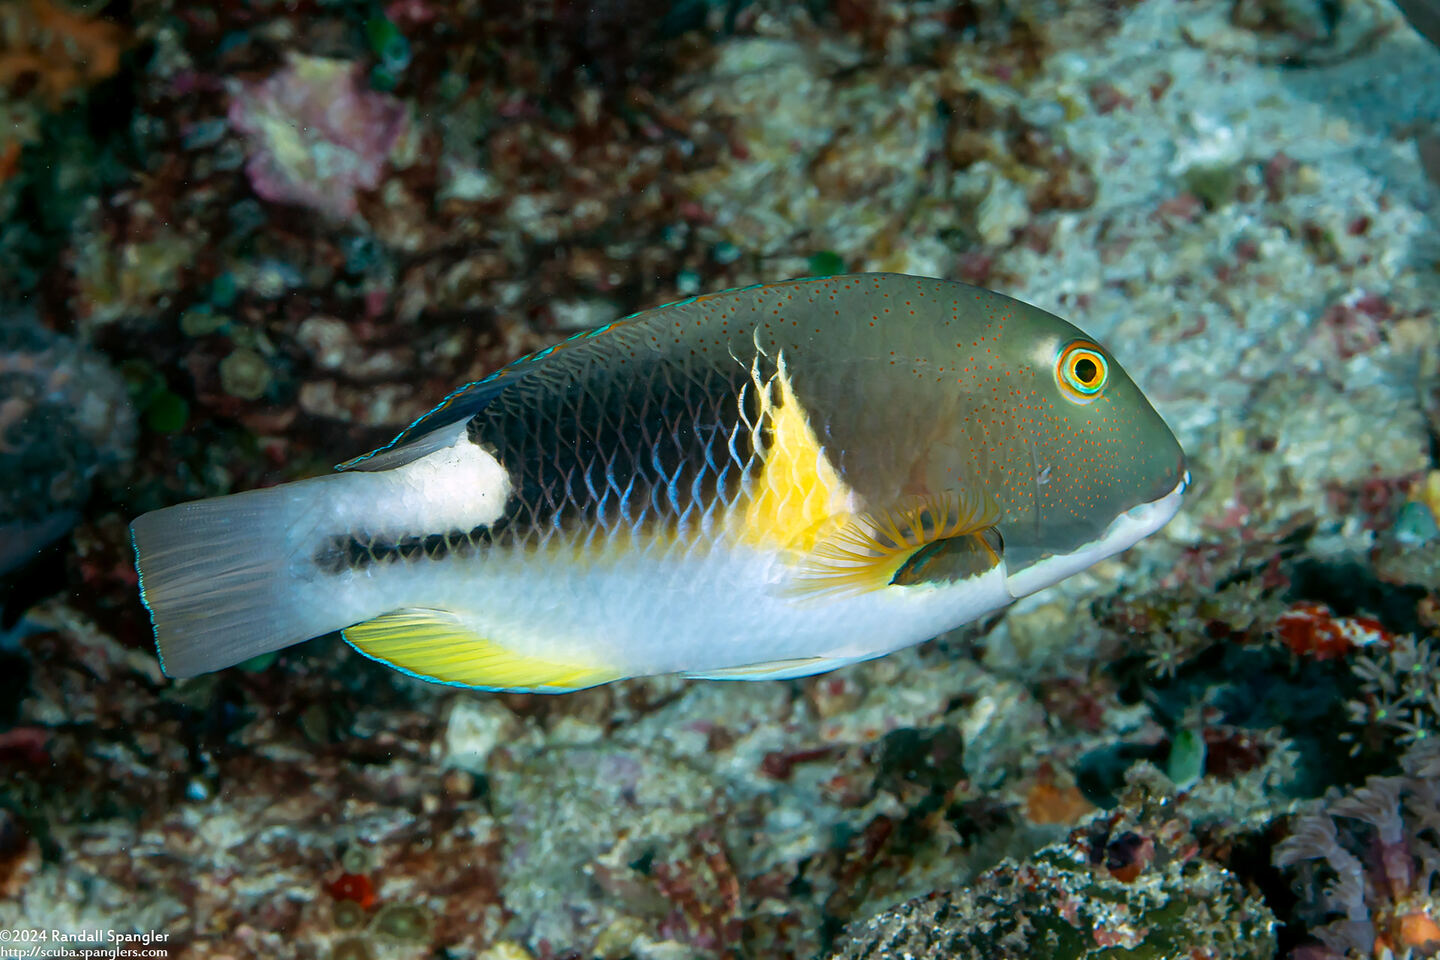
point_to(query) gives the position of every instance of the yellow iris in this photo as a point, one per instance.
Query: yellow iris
(1081, 371)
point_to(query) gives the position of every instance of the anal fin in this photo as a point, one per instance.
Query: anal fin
(440, 646)
(776, 669)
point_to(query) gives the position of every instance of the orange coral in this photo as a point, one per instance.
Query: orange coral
(1418, 930)
(9, 160)
(356, 887)
(53, 51)
(1048, 803)
(1311, 629)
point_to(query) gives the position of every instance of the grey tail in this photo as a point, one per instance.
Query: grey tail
(225, 579)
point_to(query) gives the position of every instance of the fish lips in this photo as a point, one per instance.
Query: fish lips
(1124, 531)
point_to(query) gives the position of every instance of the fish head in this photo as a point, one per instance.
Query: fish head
(1079, 463)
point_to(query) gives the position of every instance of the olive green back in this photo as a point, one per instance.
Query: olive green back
(919, 386)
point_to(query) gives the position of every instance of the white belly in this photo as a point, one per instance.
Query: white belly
(669, 611)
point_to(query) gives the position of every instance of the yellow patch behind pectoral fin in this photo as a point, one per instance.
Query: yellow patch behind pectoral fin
(797, 493)
(440, 646)
(923, 540)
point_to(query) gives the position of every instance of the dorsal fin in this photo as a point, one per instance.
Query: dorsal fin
(396, 454)
(431, 432)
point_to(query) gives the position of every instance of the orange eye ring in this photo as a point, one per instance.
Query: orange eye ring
(1081, 371)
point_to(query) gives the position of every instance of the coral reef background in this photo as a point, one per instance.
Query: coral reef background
(240, 242)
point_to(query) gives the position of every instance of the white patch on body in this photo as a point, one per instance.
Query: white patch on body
(654, 609)
(660, 610)
(458, 487)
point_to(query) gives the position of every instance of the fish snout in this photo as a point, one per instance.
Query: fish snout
(1171, 481)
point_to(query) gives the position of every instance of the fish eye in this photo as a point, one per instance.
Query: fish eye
(1081, 371)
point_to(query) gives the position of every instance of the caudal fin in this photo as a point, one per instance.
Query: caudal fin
(234, 577)
(222, 578)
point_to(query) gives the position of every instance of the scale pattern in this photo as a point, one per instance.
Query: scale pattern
(637, 449)
(657, 451)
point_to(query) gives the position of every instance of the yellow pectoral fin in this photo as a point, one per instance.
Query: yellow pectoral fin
(440, 646)
(927, 540)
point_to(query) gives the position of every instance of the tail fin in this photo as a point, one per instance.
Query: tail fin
(234, 577)
(221, 577)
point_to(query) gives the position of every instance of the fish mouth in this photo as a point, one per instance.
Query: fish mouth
(1124, 531)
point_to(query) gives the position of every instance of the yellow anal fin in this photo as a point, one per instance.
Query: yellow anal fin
(437, 645)
(925, 540)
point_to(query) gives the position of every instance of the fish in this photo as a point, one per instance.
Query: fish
(767, 482)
